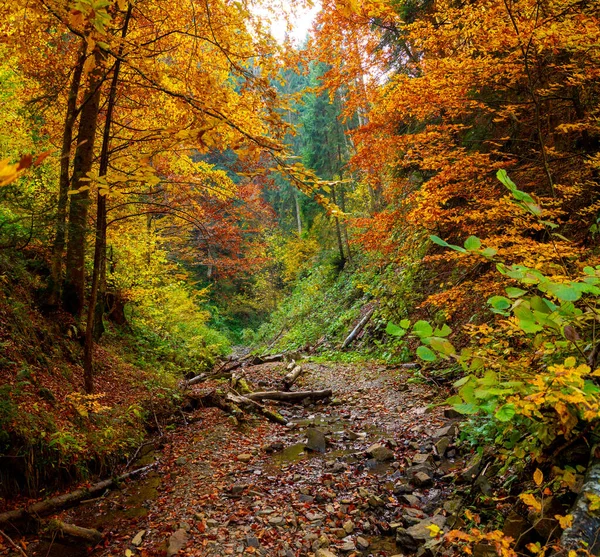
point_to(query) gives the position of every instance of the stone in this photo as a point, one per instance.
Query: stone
(410, 500)
(380, 452)
(316, 440)
(441, 446)
(410, 539)
(348, 546)
(339, 467)
(274, 447)
(244, 457)
(324, 553)
(362, 542)
(421, 458)
(211, 523)
(277, 520)
(484, 550)
(452, 506)
(422, 479)
(348, 527)
(177, 542)
(181, 461)
(252, 541)
(137, 539)
(471, 469)
(411, 516)
(448, 431)
(375, 501)
(339, 533)
(402, 487)
(239, 488)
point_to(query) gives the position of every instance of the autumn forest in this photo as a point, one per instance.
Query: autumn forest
(300, 296)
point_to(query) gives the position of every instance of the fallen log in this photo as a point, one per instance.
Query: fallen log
(88, 535)
(357, 330)
(294, 396)
(256, 407)
(54, 504)
(291, 377)
(584, 531)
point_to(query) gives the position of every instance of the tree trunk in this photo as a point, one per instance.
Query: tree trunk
(290, 397)
(338, 231)
(74, 287)
(100, 245)
(58, 246)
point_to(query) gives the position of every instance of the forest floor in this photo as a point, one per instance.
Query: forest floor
(221, 488)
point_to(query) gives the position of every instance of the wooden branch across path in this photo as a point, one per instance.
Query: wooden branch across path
(356, 331)
(54, 504)
(294, 396)
(291, 377)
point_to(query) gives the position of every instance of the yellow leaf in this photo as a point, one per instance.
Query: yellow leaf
(538, 477)
(434, 530)
(534, 547)
(530, 501)
(128, 553)
(564, 521)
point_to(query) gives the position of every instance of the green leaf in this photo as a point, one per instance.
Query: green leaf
(405, 323)
(472, 243)
(589, 271)
(426, 354)
(565, 292)
(437, 240)
(505, 413)
(466, 408)
(444, 331)
(500, 303)
(442, 345)
(454, 400)
(503, 177)
(394, 330)
(422, 329)
(463, 381)
(488, 252)
(515, 292)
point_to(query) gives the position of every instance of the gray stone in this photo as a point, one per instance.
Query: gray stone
(421, 458)
(422, 479)
(252, 541)
(441, 446)
(452, 414)
(348, 527)
(177, 542)
(277, 520)
(448, 431)
(410, 500)
(380, 452)
(472, 468)
(211, 523)
(181, 461)
(375, 501)
(316, 440)
(410, 539)
(452, 506)
(348, 546)
(244, 457)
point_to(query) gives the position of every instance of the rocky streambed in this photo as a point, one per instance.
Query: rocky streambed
(374, 471)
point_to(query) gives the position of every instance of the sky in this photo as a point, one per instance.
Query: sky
(302, 21)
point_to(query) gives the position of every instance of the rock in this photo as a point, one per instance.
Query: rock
(239, 488)
(339, 467)
(324, 553)
(274, 447)
(422, 479)
(410, 500)
(211, 523)
(411, 516)
(323, 541)
(362, 542)
(316, 440)
(348, 546)
(177, 542)
(516, 526)
(380, 452)
(339, 533)
(402, 487)
(375, 501)
(421, 458)
(441, 446)
(137, 539)
(252, 541)
(244, 457)
(452, 506)
(410, 539)
(472, 468)
(276, 520)
(448, 431)
(348, 527)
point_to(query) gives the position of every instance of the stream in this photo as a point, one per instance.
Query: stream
(225, 488)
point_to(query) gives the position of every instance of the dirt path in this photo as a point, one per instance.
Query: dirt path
(226, 489)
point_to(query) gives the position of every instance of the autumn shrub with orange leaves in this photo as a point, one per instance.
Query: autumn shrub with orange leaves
(534, 374)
